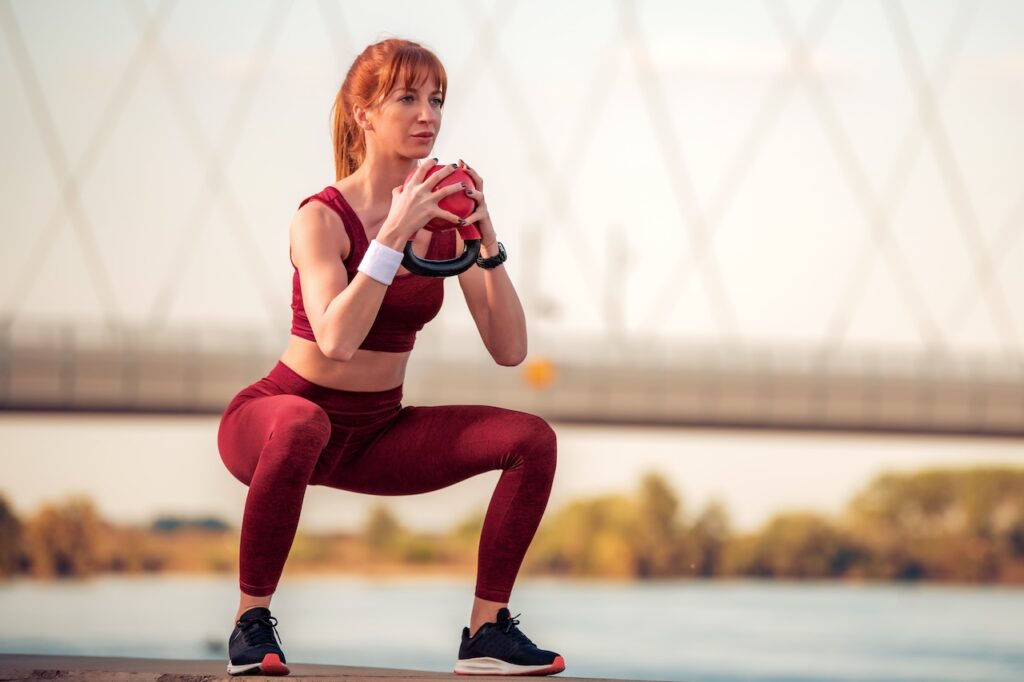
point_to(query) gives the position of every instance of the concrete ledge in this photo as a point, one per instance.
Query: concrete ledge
(109, 669)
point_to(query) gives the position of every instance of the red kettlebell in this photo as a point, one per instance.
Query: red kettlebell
(462, 206)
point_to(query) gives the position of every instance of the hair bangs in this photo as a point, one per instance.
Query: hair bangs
(410, 67)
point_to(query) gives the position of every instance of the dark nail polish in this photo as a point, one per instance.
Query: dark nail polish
(463, 184)
(468, 191)
(462, 221)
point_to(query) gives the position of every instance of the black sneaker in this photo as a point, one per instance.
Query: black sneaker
(503, 649)
(253, 648)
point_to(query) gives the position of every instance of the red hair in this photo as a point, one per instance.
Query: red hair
(376, 72)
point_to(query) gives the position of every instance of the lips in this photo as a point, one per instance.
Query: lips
(425, 136)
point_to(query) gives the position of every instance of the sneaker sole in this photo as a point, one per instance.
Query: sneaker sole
(495, 666)
(270, 665)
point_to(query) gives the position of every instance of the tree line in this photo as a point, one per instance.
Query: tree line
(939, 524)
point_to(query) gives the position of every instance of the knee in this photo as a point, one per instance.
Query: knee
(303, 423)
(539, 443)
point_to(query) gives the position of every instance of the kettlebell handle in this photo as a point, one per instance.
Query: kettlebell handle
(441, 268)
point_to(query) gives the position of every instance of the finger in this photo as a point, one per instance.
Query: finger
(476, 215)
(451, 189)
(440, 175)
(477, 180)
(421, 170)
(477, 196)
(449, 216)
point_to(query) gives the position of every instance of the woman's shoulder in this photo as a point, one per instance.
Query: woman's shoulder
(320, 217)
(325, 198)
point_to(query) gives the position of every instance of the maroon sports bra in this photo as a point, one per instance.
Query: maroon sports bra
(409, 302)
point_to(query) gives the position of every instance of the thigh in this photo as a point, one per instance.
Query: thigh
(426, 448)
(245, 429)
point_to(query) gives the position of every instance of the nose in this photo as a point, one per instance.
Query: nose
(428, 113)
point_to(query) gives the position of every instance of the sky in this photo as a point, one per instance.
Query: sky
(846, 199)
(841, 207)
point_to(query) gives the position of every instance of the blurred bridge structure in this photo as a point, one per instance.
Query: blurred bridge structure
(808, 219)
(197, 371)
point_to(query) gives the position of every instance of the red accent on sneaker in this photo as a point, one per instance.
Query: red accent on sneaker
(557, 666)
(272, 665)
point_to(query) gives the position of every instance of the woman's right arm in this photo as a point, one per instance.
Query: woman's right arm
(339, 312)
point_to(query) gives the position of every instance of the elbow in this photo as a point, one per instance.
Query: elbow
(336, 352)
(342, 354)
(511, 359)
(333, 346)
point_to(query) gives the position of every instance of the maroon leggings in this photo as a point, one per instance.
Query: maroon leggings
(283, 433)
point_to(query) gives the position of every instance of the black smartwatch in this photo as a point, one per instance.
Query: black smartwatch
(493, 261)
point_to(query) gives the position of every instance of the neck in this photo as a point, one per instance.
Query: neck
(378, 175)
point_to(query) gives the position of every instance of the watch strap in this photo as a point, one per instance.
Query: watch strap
(493, 261)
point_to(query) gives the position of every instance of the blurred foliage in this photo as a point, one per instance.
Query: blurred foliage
(710, 532)
(467, 532)
(793, 545)
(386, 538)
(308, 548)
(63, 539)
(420, 549)
(938, 524)
(383, 531)
(10, 540)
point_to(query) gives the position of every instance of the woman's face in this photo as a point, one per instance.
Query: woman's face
(408, 120)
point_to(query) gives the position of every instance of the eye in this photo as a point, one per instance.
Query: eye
(438, 101)
(406, 97)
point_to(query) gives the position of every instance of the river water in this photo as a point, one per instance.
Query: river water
(719, 631)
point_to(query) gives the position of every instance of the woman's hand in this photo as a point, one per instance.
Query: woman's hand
(480, 216)
(415, 205)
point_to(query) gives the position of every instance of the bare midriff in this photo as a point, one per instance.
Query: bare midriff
(368, 370)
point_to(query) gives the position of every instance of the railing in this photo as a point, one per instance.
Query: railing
(83, 367)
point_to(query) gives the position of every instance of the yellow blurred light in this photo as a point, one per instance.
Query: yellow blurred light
(539, 373)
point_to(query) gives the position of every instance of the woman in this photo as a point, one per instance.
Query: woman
(329, 413)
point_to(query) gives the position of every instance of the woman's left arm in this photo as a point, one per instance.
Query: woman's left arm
(490, 296)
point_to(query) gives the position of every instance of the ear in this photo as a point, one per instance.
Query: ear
(361, 117)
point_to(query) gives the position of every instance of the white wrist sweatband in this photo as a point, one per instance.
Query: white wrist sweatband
(380, 262)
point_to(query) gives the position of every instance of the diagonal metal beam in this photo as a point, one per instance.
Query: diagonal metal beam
(895, 186)
(484, 38)
(216, 184)
(1002, 244)
(727, 189)
(336, 30)
(538, 158)
(949, 169)
(71, 179)
(859, 183)
(684, 192)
